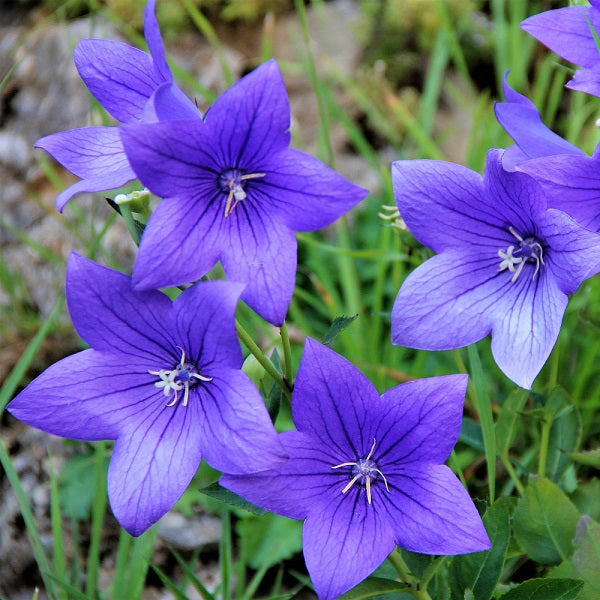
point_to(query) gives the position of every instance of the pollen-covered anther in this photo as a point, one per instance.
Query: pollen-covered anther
(232, 181)
(182, 377)
(364, 471)
(529, 250)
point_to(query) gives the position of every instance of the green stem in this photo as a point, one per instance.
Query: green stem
(544, 441)
(512, 473)
(401, 567)
(262, 359)
(287, 353)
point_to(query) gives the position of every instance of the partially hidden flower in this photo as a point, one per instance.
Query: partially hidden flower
(572, 33)
(504, 263)
(233, 191)
(125, 81)
(162, 379)
(521, 120)
(366, 471)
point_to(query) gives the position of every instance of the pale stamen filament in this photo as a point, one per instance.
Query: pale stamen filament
(170, 380)
(237, 191)
(535, 253)
(364, 471)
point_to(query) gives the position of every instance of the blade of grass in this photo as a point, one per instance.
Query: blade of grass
(139, 562)
(58, 544)
(177, 593)
(225, 554)
(199, 587)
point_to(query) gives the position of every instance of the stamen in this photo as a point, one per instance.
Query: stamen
(365, 472)
(236, 190)
(529, 251)
(177, 379)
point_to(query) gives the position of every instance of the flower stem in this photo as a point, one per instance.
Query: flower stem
(262, 359)
(401, 567)
(287, 353)
(544, 441)
(512, 473)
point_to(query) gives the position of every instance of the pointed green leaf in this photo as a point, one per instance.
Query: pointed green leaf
(545, 589)
(214, 490)
(338, 325)
(479, 572)
(590, 458)
(376, 586)
(586, 559)
(544, 522)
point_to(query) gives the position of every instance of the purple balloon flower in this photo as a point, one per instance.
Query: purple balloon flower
(521, 120)
(366, 471)
(125, 81)
(569, 32)
(163, 379)
(235, 192)
(505, 263)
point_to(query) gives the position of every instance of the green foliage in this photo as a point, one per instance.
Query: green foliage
(544, 522)
(545, 589)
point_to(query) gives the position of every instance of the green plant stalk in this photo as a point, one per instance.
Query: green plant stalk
(98, 509)
(483, 405)
(554, 365)
(287, 353)
(402, 569)
(121, 566)
(29, 519)
(512, 473)
(262, 359)
(225, 554)
(544, 441)
(453, 461)
(58, 544)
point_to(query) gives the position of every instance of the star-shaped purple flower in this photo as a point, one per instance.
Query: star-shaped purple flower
(521, 120)
(366, 471)
(163, 379)
(505, 263)
(570, 33)
(235, 192)
(125, 81)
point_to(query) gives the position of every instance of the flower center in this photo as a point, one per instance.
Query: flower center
(182, 377)
(233, 183)
(528, 250)
(364, 472)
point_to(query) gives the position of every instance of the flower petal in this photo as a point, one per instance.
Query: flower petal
(343, 544)
(181, 243)
(204, 317)
(252, 118)
(155, 43)
(575, 251)
(304, 193)
(333, 401)
(422, 420)
(153, 462)
(567, 32)
(121, 77)
(432, 513)
(526, 325)
(109, 315)
(449, 300)
(236, 433)
(169, 103)
(521, 120)
(443, 204)
(261, 253)
(83, 396)
(295, 487)
(586, 80)
(571, 183)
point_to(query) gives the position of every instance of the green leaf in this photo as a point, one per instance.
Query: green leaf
(338, 325)
(214, 490)
(590, 458)
(586, 559)
(480, 571)
(544, 522)
(545, 589)
(375, 586)
(564, 434)
(269, 539)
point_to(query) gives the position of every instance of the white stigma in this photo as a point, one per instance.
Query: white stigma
(530, 250)
(364, 471)
(178, 379)
(236, 191)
